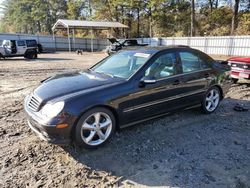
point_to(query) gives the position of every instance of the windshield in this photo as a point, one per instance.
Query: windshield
(122, 64)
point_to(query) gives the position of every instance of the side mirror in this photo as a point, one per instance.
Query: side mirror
(222, 62)
(147, 80)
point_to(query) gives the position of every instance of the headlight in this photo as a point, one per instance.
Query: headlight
(52, 110)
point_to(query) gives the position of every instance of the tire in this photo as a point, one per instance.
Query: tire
(235, 80)
(40, 48)
(211, 100)
(31, 55)
(28, 55)
(88, 131)
(35, 55)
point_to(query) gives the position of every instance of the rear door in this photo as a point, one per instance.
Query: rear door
(196, 74)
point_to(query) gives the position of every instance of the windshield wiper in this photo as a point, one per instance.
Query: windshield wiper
(108, 74)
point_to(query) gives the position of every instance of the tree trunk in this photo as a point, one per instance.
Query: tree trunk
(123, 30)
(150, 22)
(192, 33)
(39, 30)
(138, 22)
(235, 16)
(211, 2)
(216, 4)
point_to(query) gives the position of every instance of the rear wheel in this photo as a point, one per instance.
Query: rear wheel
(211, 100)
(31, 55)
(35, 55)
(94, 128)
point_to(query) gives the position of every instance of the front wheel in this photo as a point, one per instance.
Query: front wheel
(94, 128)
(211, 100)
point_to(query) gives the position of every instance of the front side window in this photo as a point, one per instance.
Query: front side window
(122, 64)
(162, 67)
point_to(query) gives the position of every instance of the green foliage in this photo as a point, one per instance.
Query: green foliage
(216, 22)
(158, 18)
(244, 24)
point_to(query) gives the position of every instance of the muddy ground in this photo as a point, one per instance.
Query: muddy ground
(186, 149)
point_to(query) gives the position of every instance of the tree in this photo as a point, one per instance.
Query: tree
(159, 18)
(235, 16)
(75, 8)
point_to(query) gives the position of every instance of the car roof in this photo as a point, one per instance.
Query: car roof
(154, 49)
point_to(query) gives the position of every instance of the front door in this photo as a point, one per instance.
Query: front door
(7, 47)
(162, 96)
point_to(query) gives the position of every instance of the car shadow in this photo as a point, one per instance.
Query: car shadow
(38, 59)
(187, 148)
(52, 59)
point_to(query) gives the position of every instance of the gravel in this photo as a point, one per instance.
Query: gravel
(185, 149)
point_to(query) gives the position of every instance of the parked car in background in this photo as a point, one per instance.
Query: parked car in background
(126, 88)
(117, 45)
(240, 68)
(19, 48)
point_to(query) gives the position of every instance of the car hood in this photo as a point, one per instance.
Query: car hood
(113, 40)
(70, 83)
(240, 59)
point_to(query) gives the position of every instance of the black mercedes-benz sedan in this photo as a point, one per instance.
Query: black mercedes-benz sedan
(131, 86)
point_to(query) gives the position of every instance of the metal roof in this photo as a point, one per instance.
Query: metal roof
(82, 24)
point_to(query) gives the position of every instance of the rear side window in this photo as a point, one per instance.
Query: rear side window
(31, 43)
(193, 62)
(190, 62)
(21, 43)
(205, 60)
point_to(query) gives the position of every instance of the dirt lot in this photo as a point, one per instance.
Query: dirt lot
(186, 149)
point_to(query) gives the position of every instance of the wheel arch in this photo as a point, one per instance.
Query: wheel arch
(113, 110)
(220, 89)
(32, 50)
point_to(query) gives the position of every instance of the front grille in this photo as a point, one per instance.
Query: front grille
(241, 65)
(34, 103)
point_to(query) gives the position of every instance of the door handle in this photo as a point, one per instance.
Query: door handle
(176, 82)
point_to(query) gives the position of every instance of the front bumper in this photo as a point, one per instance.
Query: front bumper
(49, 133)
(47, 130)
(240, 73)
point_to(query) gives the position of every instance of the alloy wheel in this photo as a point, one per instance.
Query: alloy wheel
(96, 128)
(212, 100)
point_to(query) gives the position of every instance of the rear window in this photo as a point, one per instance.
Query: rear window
(31, 43)
(21, 43)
